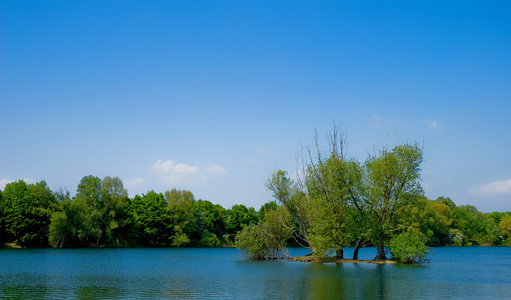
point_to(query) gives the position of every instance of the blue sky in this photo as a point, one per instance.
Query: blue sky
(213, 96)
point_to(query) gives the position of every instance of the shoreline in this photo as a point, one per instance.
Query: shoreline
(312, 259)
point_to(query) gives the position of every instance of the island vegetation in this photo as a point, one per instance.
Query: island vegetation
(334, 202)
(337, 202)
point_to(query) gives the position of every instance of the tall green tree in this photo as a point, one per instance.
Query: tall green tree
(69, 227)
(25, 211)
(392, 184)
(151, 223)
(180, 205)
(237, 217)
(332, 188)
(116, 218)
(298, 204)
(98, 216)
(210, 223)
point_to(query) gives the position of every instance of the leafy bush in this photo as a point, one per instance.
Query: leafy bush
(266, 240)
(408, 248)
(249, 239)
(180, 240)
(209, 239)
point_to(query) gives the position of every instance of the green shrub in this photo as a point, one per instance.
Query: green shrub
(408, 248)
(249, 239)
(209, 239)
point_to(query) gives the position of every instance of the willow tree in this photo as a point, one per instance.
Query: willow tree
(297, 203)
(332, 186)
(391, 185)
(321, 200)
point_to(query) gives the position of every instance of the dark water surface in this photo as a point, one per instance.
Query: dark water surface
(453, 273)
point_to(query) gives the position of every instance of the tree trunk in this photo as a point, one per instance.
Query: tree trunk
(355, 251)
(380, 253)
(339, 253)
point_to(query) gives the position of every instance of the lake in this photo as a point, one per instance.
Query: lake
(223, 273)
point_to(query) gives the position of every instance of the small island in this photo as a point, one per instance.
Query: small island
(330, 259)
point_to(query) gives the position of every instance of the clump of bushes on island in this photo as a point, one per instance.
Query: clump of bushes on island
(337, 202)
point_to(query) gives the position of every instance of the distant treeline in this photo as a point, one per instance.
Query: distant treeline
(102, 215)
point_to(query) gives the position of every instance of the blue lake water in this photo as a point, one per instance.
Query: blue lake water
(223, 273)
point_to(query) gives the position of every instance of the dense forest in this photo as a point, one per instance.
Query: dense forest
(334, 202)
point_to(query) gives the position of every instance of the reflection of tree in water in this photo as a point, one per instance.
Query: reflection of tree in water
(346, 281)
(368, 281)
(325, 281)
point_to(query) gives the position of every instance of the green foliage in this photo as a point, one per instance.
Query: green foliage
(237, 217)
(174, 196)
(470, 221)
(392, 184)
(180, 239)
(249, 239)
(335, 203)
(505, 228)
(431, 221)
(298, 204)
(150, 220)
(267, 239)
(98, 216)
(447, 201)
(408, 248)
(25, 211)
(180, 209)
(68, 226)
(268, 206)
(210, 220)
(209, 239)
(275, 232)
(333, 186)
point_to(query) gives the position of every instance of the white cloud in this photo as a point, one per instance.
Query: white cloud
(163, 167)
(169, 166)
(184, 169)
(173, 173)
(4, 182)
(133, 183)
(431, 123)
(215, 170)
(493, 188)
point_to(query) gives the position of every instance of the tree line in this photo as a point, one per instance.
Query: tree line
(335, 202)
(102, 215)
